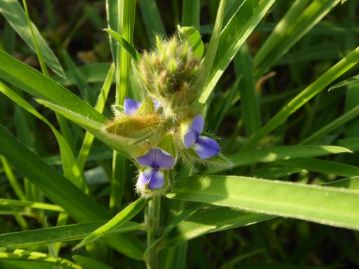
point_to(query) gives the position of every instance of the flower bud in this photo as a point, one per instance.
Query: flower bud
(168, 73)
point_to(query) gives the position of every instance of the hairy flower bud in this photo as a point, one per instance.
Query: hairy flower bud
(168, 73)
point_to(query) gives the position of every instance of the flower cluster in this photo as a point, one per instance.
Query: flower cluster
(167, 125)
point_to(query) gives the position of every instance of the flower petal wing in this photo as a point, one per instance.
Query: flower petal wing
(157, 180)
(194, 131)
(197, 124)
(206, 147)
(150, 179)
(157, 158)
(189, 139)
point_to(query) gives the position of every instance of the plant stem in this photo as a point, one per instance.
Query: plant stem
(152, 220)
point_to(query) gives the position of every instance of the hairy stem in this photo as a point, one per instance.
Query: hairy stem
(152, 220)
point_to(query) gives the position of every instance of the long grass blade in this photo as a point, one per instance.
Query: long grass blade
(330, 206)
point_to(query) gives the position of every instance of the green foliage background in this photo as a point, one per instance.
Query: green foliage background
(281, 89)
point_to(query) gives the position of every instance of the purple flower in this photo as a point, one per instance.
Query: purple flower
(130, 106)
(204, 146)
(156, 159)
(153, 178)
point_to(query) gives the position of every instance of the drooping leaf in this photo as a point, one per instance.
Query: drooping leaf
(40, 86)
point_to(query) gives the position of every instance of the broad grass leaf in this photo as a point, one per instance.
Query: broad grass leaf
(326, 205)
(209, 221)
(265, 155)
(40, 86)
(120, 144)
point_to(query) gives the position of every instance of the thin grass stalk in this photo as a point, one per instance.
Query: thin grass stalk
(126, 21)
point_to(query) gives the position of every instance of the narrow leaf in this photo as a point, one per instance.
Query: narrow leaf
(59, 234)
(135, 55)
(234, 34)
(308, 93)
(122, 217)
(15, 16)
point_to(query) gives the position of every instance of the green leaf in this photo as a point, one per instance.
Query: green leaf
(9, 264)
(308, 93)
(351, 183)
(95, 72)
(264, 155)
(300, 18)
(112, 22)
(120, 144)
(100, 105)
(63, 193)
(135, 55)
(234, 34)
(191, 13)
(210, 221)
(69, 163)
(347, 82)
(350, 143)
(90, 263)
(59, 234)
(152, 18)
(12, 179)
(340, 121)
(208, 60)
(29, 204)
(330, 206)
(122, 217)
(38, 85)
(322, 166)
(250, 108)
(193, 37)
(15, 16)
(76, 74)
(19, 254)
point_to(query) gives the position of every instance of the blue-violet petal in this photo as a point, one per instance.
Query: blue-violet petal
(157, 158)
(152, 178)
(206, 147)
(194, 131)
(130, 106)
